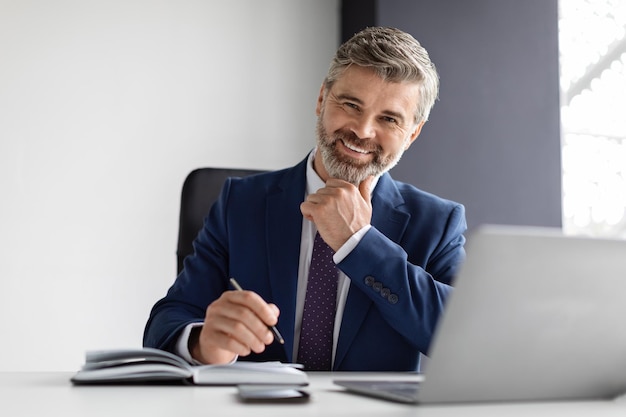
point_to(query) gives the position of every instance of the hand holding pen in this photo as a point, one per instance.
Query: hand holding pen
(236, 324)
(277, 335)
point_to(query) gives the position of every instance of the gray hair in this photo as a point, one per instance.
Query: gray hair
(395, 56)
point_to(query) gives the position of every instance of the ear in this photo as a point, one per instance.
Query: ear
(416, 132)
(320, 100)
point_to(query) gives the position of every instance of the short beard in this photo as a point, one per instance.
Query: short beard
(339, 166)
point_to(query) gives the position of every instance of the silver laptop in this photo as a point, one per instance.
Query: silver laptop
(535, 315)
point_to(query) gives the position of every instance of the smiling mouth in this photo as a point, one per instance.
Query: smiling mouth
(355, 148)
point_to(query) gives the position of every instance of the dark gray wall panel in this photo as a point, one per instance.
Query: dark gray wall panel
(493, 139)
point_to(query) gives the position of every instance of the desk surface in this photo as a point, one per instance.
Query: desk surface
(50, 393)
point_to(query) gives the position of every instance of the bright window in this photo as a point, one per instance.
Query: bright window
(592, 39)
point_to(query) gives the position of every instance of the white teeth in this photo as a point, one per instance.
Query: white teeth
(355, 149)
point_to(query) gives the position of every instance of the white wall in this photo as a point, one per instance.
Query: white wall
(105, 106)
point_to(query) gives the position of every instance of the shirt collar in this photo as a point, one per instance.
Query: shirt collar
(313, 181)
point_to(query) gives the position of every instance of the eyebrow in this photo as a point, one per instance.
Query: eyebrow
(398, 116)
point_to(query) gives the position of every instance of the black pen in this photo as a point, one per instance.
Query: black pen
(277, 335)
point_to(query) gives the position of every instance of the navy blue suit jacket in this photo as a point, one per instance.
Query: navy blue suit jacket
(400, 272)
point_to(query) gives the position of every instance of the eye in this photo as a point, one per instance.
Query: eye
(389, 119)
(351, 105)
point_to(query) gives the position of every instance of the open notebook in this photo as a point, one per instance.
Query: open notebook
(147, 365)
(535, 315)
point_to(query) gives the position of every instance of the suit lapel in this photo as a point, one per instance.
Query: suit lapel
(284, 230)
(392, 222)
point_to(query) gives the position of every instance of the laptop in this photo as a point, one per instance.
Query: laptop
(535, 315)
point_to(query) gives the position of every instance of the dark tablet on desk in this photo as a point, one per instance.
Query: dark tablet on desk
(272, 393)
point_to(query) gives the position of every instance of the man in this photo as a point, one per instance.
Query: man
(396, 248)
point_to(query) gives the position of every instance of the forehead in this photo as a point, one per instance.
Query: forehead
(374, 93)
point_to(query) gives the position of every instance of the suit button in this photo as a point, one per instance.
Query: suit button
(385, 292)
(378, 286)
(369, 281)
(393, 298)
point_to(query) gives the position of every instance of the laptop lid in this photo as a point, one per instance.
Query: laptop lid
(388, 389)
(535, 315)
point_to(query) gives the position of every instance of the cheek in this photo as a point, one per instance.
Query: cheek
(332, 119)
(392, 143)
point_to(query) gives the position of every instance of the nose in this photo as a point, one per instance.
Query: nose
(363, 127)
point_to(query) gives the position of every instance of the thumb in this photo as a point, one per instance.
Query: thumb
(365, 188)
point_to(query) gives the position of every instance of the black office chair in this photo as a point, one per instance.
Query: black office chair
(200, 190)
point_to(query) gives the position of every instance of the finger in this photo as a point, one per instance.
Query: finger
(365, 188)
(275, 308)
(251, 337)
(240, 341)
(236, 343)
(239, 313)
(306, 210)
(254, 303)
(237, 332)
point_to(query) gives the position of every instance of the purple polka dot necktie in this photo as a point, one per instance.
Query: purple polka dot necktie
(318, 318)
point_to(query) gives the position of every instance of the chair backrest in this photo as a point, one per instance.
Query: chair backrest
(200, 190)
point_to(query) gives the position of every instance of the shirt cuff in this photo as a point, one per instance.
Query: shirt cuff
(182, 344)
(350, 244)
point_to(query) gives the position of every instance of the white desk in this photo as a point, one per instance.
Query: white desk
(51, 394)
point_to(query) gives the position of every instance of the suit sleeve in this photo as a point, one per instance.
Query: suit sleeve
(202, 280)
(410, 280)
